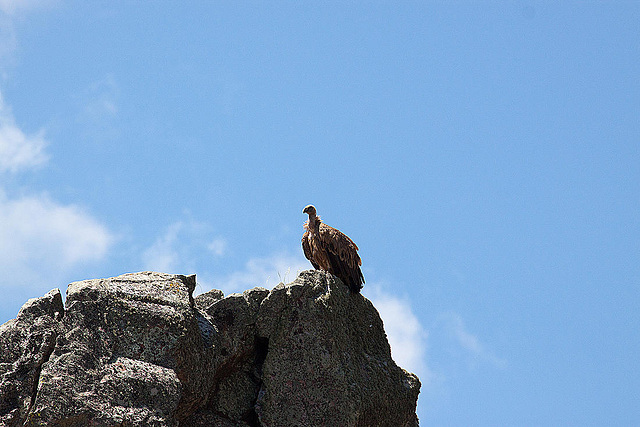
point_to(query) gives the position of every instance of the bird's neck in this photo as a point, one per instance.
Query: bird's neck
(313, 225)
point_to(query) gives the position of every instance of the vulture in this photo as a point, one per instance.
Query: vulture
(330, 250)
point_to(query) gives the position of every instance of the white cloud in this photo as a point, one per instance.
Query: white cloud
(163, 254)
(182, 246)
(217, 247)
(189, 246)
(41, 241)
(263, 271)
(469, 342)
(407, 337)
(10, 11)
(11, 7)
(97, 115)
(41, 238)
(101, 99)
(17, 150)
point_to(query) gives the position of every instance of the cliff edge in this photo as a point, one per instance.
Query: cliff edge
(139, 349)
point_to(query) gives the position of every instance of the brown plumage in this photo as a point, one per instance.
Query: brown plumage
(331, 250)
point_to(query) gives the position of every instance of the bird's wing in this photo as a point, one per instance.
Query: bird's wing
(343, 257)
(306, 248)
(340, 245)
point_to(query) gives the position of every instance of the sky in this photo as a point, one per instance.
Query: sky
(484, 156)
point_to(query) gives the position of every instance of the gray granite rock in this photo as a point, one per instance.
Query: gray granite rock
(26, 343)
(138, 349)
(328, 360)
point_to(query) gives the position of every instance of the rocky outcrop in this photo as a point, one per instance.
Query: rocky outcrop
(138, 349)
(26, 344)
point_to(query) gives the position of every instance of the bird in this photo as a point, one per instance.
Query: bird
(331, 250)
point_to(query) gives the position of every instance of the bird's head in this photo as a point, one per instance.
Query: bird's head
(309, 210)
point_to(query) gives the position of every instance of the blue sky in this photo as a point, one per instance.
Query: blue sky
(484, 156)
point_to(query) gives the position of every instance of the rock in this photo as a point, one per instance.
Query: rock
(328, 360)
(138, 349)
(205, 300)
(239, 350)
(27, 343)
(129, 353)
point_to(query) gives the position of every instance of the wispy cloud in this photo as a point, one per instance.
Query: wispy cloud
(101, 98)
(11, 7)
(218, 246)
(41, 240)
(8, 42)
(262, 271)
(182, 246)
(19, 151)
(163, 254)
(407, 336)
(98, 109)
(10, 11)
(475, 349)
(40, 237)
